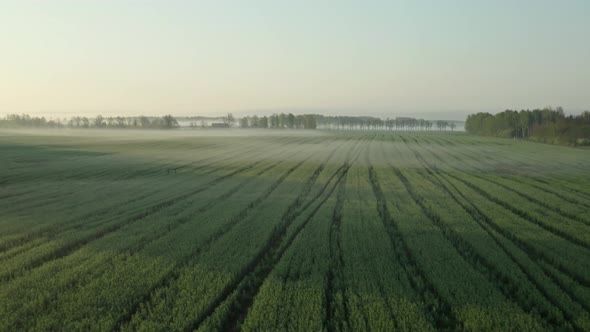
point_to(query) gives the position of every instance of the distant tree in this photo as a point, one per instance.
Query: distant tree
(169, 122)
(156, 123)
(130, 121)
(244, 122)
(544, 125)
(559, 111)
(77, 121)
(229, 119)
(309, 121)
(524, 121)
(254, 121)
(263, 122)
(99, 121)
(452, 125)
(282, 120)
(120, 122)
(299, 121)
(290, 120)
(274, 121)
(144, 122)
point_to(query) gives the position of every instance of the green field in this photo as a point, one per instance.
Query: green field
(275, 230)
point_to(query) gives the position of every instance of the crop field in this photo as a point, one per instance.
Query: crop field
(291, 230)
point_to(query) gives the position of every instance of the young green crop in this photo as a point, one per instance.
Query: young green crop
(263, 230)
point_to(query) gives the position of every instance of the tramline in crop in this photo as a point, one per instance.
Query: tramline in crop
(333, 231)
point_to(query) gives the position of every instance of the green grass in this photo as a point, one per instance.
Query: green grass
(268, 230)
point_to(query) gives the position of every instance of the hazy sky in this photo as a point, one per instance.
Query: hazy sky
(353, 57)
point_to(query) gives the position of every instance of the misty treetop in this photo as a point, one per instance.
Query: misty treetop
(280, 121)
(545, 125)
(274, 121)
(318, 121)
(119, 122)
(373, 123)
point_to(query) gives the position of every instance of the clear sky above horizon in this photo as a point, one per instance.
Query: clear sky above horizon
(127, 57)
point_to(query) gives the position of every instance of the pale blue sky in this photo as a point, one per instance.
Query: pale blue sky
(353, 57)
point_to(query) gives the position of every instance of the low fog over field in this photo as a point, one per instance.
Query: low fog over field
(243, 224)
(327, 166)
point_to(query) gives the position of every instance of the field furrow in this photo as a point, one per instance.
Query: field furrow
(276, 230)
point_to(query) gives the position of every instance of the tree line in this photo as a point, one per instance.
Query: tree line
(373, 123)
(548, 125)
(317, 121)
(274, 121)
(119, 122)
(278, 121)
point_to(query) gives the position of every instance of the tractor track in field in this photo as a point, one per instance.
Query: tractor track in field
(544, 182)
(335, 278)
(533, 252)
(520, 181)
(158, 167)
(216, 235)
(515, 210)
(382, 292)
(550, 191)
(248, 283)
(520, 243)
(469, 253)
(586, 194)
(73, 224)
(75, 245)
(82, 218)
(273, 254)
(488, 226)
(175, 273)
(513, 237)
(529, 198)
(524, 215)
(76, 222)
(576, 191)
(526, 196)
(533, 200)
(441, 316)
(183, 220)
(217, 158)
(171, 167)
(88, 171)
(187, 167)
(37, 200)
